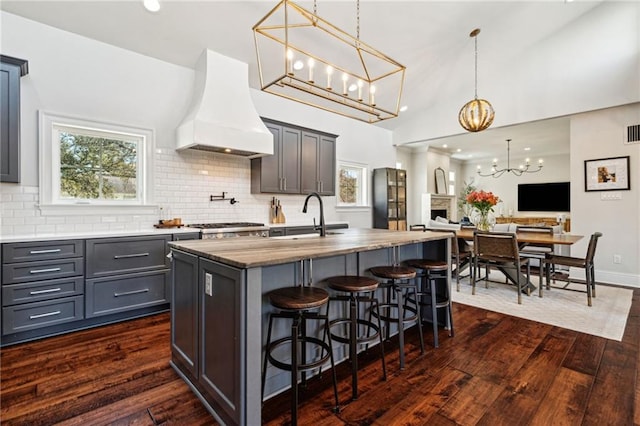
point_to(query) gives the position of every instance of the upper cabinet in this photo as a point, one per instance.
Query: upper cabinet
(280, 172)
(318, 163)
(11, 69)
(303, 161)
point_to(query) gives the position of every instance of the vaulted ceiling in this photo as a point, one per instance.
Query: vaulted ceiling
(430, 38)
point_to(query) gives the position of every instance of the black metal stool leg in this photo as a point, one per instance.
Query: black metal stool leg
(266, 355)
(294, 369)
(399, 296)
(353, 345)
(384, 365)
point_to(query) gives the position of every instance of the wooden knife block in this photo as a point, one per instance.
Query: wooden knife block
(276, 215)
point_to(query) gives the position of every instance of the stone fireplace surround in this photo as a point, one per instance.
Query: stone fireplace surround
(440, 202)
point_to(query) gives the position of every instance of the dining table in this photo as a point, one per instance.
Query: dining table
(527, 238)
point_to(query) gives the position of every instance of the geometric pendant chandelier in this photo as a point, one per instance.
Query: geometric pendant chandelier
(477, 114)
(304, 58)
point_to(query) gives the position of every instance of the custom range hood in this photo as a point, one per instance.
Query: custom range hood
(222, 117)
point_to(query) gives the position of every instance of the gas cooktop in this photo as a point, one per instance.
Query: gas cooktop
(222, 225)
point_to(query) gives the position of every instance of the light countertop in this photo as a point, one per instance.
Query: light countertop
(252, 252)
(96, 234)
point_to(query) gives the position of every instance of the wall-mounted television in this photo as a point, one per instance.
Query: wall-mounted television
(544, 197)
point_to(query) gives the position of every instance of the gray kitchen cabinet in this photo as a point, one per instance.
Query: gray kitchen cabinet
(121, 255)
(187, 236)
(277, 232)
(11, 69)
(59, 286)
(318, 165)
(220, 334)
(184, 313)
(303, 162)
(42, 285)
(126, 273)
(279, 173)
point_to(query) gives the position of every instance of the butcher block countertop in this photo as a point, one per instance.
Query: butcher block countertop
(250, 252)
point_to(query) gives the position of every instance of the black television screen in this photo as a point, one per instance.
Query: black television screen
(544, 197)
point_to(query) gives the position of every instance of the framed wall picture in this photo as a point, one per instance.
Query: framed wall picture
(607, 174)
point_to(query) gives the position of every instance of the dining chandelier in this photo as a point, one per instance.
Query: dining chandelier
(477, 114)
(305, 58)
(522, 168)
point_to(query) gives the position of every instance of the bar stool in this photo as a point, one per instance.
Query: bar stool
(296, 303)
(355, 289)
(400, 280)
(432, 272)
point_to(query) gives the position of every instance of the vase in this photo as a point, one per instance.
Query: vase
(482, 223)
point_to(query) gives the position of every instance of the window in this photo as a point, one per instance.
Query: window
(352, 185)
(452, 182)
(86, 163)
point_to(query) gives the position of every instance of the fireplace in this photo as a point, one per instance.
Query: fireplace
(439, 212)
(442, 205)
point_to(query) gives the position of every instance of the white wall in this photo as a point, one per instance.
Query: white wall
(594, 135)
(531, 83)
(506, 187)
(81, 77)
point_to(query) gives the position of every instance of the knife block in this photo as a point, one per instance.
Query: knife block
(276, 215)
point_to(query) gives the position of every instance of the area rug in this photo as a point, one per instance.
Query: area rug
(560, 307)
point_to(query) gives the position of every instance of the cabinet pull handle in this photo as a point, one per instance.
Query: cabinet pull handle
(48, 314)
(45, 251)
(127, 256)
(50, 290)
(128, 293)
(284, 181)
(40, 271)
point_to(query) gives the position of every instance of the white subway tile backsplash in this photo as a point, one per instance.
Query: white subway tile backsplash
(183, 183)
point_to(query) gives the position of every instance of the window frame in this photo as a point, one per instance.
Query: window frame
(50, 125)
(363, 203)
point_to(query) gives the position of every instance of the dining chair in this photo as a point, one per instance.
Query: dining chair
(587, 263)
(499, 250)
(535, 250)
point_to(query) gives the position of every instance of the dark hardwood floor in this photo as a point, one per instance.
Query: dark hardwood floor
(496, 370)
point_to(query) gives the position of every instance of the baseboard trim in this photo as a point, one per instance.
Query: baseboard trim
(617, 278)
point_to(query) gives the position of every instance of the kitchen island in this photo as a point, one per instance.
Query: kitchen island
(219, 308)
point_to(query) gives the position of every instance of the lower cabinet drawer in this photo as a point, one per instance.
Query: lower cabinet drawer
(14, 294)
(41, 270)
(110, 295)
(42, 314)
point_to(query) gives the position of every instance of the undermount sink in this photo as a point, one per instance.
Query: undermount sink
(303, 236)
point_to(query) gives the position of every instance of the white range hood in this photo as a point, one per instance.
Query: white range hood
(222, 117)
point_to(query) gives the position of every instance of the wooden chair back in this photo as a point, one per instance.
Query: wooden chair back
(591, 249)
(496, 246)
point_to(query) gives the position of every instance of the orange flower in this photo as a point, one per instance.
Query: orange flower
(482, 201)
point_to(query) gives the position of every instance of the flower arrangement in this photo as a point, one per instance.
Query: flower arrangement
(483, 202)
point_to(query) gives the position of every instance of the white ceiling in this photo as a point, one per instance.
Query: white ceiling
(430, 38)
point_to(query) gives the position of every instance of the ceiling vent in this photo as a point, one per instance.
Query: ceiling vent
(633, 134)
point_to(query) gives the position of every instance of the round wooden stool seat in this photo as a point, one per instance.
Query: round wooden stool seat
(430, 265)
(393, 272)
(352, 283)
(298, 298)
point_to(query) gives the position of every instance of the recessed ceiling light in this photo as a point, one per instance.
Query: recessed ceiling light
(445, 145)
(298, 65)
(353, 87)
(151, 5)
(403, 108)
(527, 149)
(458, 150)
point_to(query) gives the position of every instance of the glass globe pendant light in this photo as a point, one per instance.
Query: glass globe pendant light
(477, 114)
